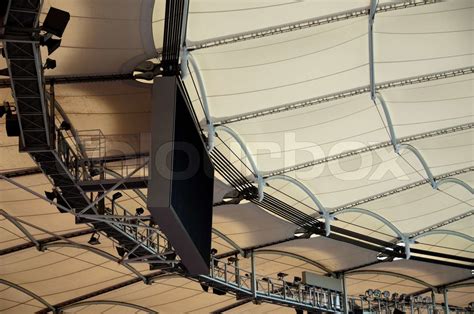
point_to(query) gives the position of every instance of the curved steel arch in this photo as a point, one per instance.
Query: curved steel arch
(422, 161)
(455, 181)
(73, 244)
(28, 292)
(20, 227)
(296, 256)
(391, 129)
(389, 273)
(98, 252)
(249, 155)
(444, 232)
(108, 302)
(202, 89)
(461, 285)
(406, 239)
(322, 210)
(228, 240)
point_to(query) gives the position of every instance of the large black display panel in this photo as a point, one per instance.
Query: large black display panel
(180, 189)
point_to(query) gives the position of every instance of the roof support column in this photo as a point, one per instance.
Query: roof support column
(446, 305)
(252, 276)
(344, 294)
(433, 302)
(373, 9)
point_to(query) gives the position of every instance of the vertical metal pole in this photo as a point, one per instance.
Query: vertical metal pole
(411, 306)
(237, 271)
(344, 294)
(252, 276)
(51, 113)
(446, 305)
(433, 302)
(373, 7)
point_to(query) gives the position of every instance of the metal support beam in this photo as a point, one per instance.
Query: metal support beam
(401, 189)
(98, 252)
(253, 276)
(350, 153)
(228, 240)
(391, 274)
(211, 133)
(442, 224)
(304, 24)
(232, 306)
(5, 83)
(372, 11)
(28, 292)
(21, 172)
(345, 300)
(445, 297)
(21, 228)
(102, 291)
(429, 77)
(108, 302)
(42, 242)
(248, 154)
(320, 208)
(120, 182)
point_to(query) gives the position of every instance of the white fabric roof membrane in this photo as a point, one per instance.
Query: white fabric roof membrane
(248, 83)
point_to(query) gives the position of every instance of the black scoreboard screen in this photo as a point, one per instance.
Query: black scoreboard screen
(181, 176)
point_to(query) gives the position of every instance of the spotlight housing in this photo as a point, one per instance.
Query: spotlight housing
(139, 211)
(66, 126)
(56, 21)
(4, 72)
(49, 64)
(281, 275)
(94, 240)
(51, 43)
(12, 125)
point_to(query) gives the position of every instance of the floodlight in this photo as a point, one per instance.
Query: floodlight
(49, 64)
(116, 196)
(4, 72)
(66, 126)
(94, 240)
(139, 211)
(386, 294)
(11, 124)
(51, 43)
(377, 293)
(232, 260)
(94, 172)
(296, 280)
(218, 291)
(369, 293)
(56, 21)
(395, 297)
(213, 251)
(281, 275)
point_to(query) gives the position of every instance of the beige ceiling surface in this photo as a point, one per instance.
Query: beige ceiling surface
(112, 37)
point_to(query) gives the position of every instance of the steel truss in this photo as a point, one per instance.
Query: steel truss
(290, 27)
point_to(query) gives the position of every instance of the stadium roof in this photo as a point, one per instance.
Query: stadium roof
(379, 144)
